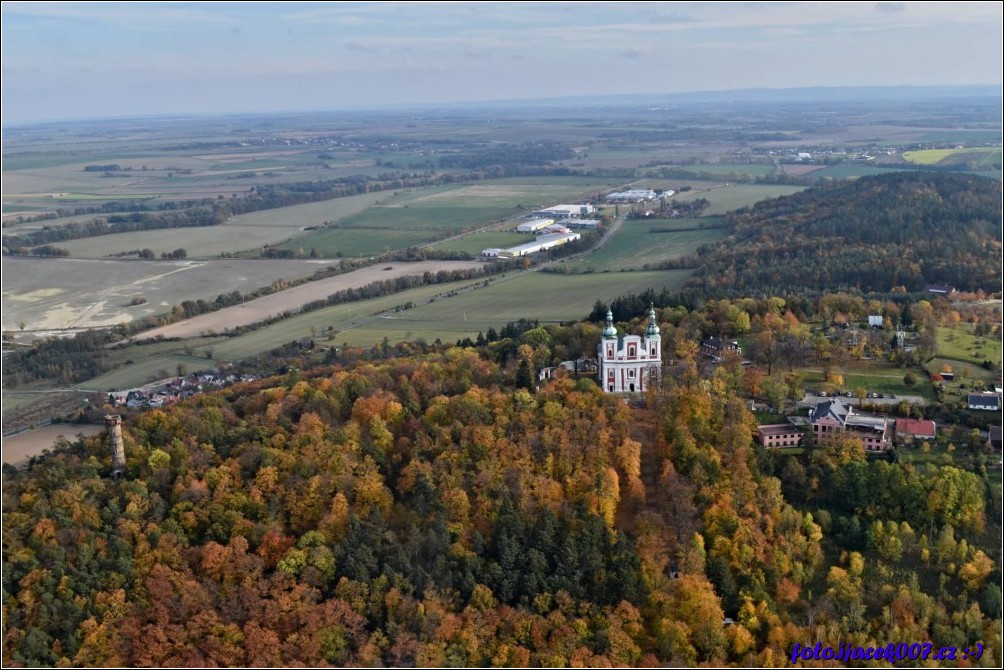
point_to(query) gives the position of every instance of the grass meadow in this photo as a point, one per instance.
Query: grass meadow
(852, 170)
(979, 156)
(450, 311)
(317, 323)
(547, 297)
(959, 344)
(875, 376)
(726, 198)
(474, 243)
(635, 245)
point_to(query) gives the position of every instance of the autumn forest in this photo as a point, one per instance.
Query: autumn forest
(422, 511)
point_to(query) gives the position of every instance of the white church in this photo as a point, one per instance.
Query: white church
(630, 363)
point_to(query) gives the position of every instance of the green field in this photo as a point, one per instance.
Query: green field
(852, 170)
(724, 199)
(874, 376)
(474, 243)
(959, 344)
(424, 215)
(550, 298)
(960, 136)
(976, 156)
(144, 371)
(635, 246)
(138, 365)
(339, 317)
(365, 242)
(312, 213)
(200, 242)
(13, 400)
(723, 169)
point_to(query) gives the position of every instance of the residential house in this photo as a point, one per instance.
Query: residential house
(908, 430)
(717, 348)
(985, 401)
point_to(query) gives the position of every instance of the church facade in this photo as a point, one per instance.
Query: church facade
(630, 363)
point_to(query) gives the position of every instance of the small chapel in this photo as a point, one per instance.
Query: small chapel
(630, 363)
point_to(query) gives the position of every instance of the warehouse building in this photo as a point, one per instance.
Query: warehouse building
(634, 195)
(542, 243)
(533, 225)
(582, 223)
(565, 211)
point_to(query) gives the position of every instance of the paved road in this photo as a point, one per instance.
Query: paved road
(811, 400)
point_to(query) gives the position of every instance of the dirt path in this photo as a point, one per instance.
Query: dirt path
(643, 429)
(291, 300)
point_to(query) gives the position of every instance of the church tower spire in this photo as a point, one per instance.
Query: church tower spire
(653, 326)
(610, 330)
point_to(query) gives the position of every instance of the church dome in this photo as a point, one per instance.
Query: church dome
(610, 330)
(653, 326)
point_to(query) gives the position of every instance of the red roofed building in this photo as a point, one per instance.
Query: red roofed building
(908, 430)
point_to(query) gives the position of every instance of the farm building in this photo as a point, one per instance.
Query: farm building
(491, 253)
(633, 195)
(564, 211)
(533, 225)
(583, 223)
(542, 243)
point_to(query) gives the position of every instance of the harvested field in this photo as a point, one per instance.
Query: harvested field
(62, 293)
(19, 448)
(292, 299)
(799, 169)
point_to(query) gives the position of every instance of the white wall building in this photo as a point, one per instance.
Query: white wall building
(630, 363)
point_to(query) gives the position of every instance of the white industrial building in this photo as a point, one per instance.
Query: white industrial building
(564, 211)
(634, 195)
(533, 225)
(491, 253)
(582, 223)
(542, 243)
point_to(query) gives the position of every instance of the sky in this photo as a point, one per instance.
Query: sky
(65, 60)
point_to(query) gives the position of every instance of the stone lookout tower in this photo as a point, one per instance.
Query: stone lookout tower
(113, 422)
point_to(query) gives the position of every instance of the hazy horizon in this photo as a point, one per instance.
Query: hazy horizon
(65, 61)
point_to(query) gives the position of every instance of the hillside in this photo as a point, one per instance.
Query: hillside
(424, 511)
(875, 233)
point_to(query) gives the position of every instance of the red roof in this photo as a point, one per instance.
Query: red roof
(917, 427)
